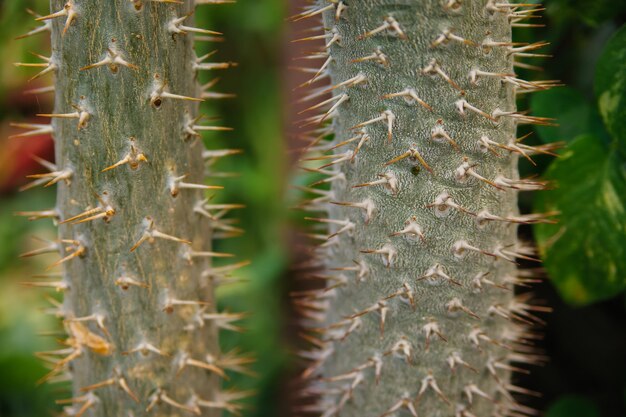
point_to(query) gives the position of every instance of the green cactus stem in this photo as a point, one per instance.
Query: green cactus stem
(135, 226)
(419, 316)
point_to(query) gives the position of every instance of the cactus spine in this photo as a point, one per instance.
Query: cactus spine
(419, 316)
(135, 228)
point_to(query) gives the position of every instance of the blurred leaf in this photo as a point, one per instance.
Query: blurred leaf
(593, 12)
(14, 229)
(610, 85)
(570, 109)
(585, 253)
(21, 318)
(573, 406)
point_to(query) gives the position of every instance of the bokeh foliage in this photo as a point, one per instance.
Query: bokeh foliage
(585, 253)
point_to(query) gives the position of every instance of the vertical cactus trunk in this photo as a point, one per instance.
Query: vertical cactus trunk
(135, 246)
(419, 316)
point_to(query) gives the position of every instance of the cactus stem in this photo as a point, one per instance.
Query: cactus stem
(151, 233)
(113, 107)
(69, 10)
(176, 26)
(113, 59)
(390, 24)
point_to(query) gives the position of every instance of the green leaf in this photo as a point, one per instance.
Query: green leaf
(592, 13)
(585, 253)
(573, 406)
(570, 109)
(610, 86)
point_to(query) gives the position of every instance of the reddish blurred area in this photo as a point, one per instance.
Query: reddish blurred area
(298, 70)
(16, 158)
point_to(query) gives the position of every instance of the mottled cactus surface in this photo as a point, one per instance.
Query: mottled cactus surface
(419, 316)
(135, 225)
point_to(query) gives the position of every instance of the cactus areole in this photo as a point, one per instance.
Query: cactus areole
(135, 228)
(419, 317)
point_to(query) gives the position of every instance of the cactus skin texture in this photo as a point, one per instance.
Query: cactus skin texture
(134, 226)
(419, 316)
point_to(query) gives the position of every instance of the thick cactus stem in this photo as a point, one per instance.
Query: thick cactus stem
(135, 246)
(419, 317)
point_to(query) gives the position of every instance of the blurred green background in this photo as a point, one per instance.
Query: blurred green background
(585, 337)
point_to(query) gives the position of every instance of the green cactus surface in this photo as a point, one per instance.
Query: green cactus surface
(135, 222)
(419, 316)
